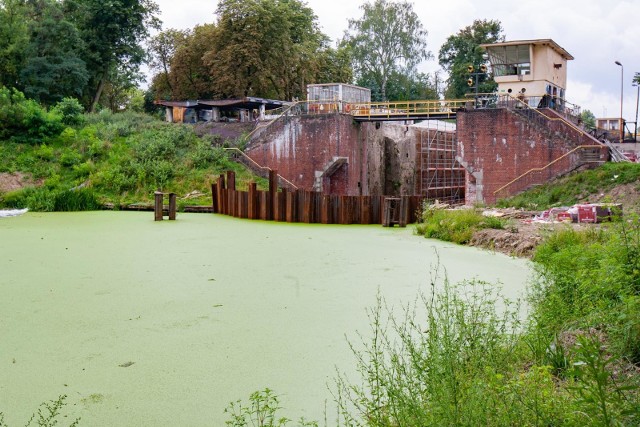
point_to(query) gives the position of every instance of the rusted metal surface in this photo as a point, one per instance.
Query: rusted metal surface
(312, 206)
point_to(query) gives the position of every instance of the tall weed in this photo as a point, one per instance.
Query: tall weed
(48, 414)
(261, 411)
(446, 361)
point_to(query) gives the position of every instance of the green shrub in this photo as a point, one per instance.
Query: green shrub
(82, 199)
(24, 121)
(450, 225)
(158, 173)
(39, 199)
(70, 158)
(203, 154)
(68, 136)
(44, 152)
(117, 178)
(71, 111)
(83, 170)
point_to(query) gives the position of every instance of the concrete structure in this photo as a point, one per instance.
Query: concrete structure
(531, 69)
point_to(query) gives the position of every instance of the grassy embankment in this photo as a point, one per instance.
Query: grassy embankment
(116, 159)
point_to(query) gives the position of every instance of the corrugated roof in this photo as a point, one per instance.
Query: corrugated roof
(185, 104)
(246, 103)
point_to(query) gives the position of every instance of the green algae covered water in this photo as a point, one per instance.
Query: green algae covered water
(144, 323)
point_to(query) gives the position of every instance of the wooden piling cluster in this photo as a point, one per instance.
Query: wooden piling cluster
(307, 206)
(159, 209)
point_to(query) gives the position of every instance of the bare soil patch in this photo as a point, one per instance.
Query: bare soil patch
(15, 181)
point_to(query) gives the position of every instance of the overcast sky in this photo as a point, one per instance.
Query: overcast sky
(595, 32)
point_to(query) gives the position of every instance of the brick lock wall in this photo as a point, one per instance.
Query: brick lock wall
(497, 146)
(381, 158)
(299, 147)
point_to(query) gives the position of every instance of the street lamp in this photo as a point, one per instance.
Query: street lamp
(621, 97)
(635, 134)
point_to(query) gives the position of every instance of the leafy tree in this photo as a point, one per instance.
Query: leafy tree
(119, 85)
(162, 49)
(113, 32)
(14, 36)
(388, 39)
(401, 87)
(53, 67)
(462, 50)
(265, 48)
(190, 75)
(588, 119)
(334, 65)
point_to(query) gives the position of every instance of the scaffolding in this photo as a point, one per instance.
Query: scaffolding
(439, 175)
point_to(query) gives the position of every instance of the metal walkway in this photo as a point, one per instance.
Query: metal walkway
(407, 110)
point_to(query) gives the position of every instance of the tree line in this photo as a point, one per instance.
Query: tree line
(92, 50)
(87, 49)
(274, 48)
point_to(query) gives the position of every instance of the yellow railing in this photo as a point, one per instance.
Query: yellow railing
(524, 103)
(408, 109)
(534, 170)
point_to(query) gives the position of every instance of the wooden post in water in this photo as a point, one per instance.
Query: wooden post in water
(404, 211)
(219, 195)
(273, 191)
(157, 207)
(172, 206)
(291, 206)
(231, 193)
(253, 201)
(214, 198)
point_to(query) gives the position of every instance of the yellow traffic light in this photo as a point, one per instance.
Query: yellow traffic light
(470, 82)
(470, 68)
(483, 68)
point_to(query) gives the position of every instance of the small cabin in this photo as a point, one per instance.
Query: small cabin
(531, 69)
(338, 92)
(335, 97)
(613, 123)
